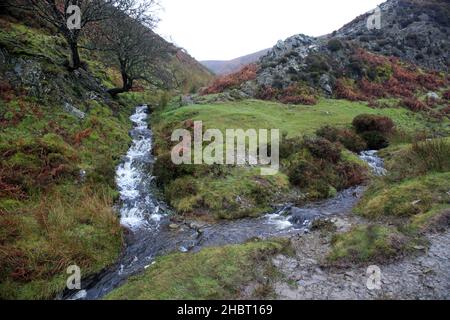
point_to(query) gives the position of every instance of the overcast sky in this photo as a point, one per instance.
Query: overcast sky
(226, 29)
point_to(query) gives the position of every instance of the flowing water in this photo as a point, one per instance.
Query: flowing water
(151, 233)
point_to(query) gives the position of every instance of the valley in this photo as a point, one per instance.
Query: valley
(88, 177)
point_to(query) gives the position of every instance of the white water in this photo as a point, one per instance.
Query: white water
(374, 161)
(132, 179)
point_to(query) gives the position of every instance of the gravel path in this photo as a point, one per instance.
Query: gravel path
(423, 276)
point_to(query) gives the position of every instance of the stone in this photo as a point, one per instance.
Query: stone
(186, 100)
(324, 83)
(74, 111)
(174, 226)
(433, 95)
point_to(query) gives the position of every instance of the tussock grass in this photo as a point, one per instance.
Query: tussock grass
(213, 273)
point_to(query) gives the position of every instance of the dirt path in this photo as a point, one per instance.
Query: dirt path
(424, 276)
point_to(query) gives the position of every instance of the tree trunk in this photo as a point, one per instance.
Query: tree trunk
(76, 61)
(127, 85)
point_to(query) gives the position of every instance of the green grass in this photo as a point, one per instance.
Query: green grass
(213, 273)
(374, 243)
(406, 198)
(239, 192)
(216, 195)
(414, 197)
(295, 120)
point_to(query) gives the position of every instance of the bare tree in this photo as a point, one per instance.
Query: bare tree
(58, 12)
(129, 39)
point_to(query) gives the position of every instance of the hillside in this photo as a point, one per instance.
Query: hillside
(220, 67)
(61, 138)
(414, 31)
(356, 63)
(362, 178)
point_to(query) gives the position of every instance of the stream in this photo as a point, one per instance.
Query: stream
(151, 233)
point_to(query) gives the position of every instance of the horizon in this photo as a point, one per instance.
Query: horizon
(207, 36)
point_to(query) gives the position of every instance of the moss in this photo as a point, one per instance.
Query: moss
(372, 243)
(213, 273)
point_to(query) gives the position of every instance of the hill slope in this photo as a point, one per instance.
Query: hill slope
(221, 67)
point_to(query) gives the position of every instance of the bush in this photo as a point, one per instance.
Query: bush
(368, 122)
(349, 139)
(375, 140)
(334, 45)
(267, 93)
(297, 94)
(446, 95)
(166, 171)
(234, 80)
(323, 149)
(181, 188)
(289, 147)
(345, 89)
(302, 172)
(414, 104)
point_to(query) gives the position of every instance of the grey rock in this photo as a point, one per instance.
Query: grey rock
(74, 111)
(433, 95)
(324, 83)
(186, 100)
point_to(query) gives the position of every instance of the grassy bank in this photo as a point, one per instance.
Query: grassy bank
(213, 273)
(413, 199)
(61, 138)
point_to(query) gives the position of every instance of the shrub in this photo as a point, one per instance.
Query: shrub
(181, 188)
(345, 89)
(334, 45)
(349, 139)
(351, 174)
(446, 95)
(297, 94)
(166, 171)
(299, 99)
(368, 122)
(233, 80)
(267, 93)
(375, 140)
(289, 147)
(414, 104)
(323, 149)
(302, 172)
(372, 89)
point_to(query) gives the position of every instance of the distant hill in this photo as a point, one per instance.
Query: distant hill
(227, 67)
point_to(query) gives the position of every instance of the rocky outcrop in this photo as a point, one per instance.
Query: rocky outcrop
(415, 31)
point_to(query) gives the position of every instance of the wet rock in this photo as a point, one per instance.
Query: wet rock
(303, 217)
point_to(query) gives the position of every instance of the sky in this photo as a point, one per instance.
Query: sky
(227, 29)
